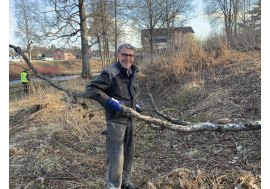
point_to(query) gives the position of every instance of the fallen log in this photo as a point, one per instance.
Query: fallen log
(247, 126)
(189, 127)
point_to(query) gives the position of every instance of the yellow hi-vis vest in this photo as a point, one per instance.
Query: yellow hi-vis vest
(23, 77)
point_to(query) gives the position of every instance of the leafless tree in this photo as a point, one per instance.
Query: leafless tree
(68, 21)
(232, 13)
(27, 23)
(177, 13)
(99, 30)
(251, 15)
(105, 29)
(149, 15)
(145, 14)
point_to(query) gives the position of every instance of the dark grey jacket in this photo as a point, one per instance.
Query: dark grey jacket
(114, 82)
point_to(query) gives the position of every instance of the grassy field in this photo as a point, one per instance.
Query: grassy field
(65, 67)
(16, 90)
(55, 143)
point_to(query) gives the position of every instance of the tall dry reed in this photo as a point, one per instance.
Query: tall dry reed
(193, 57)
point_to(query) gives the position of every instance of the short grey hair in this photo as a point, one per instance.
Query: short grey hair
(127, 45)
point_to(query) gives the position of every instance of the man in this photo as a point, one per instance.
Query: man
(116, 85)
(25, 81)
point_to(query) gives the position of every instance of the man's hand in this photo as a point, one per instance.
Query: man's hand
(138, 107)
(114, 105)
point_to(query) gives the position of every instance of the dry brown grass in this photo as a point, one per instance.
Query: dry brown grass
(65, 67)
(48, 137)
(185, 178)
(62, 143)
(193, 59)
(215, 70)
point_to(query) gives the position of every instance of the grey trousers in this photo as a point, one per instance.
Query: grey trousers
(120, 151)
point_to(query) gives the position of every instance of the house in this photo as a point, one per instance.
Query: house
(160, 40)
(59, 54)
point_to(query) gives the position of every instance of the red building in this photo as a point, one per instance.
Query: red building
(59, 54)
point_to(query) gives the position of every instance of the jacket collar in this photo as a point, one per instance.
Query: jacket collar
(124, 70)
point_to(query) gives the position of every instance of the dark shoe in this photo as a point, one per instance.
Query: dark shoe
(130, 186)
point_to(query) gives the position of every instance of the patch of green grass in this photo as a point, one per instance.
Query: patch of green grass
(41, 132)
(188, 94)
(171, 155)
(16, 90)
(184, 97)
(200, 118)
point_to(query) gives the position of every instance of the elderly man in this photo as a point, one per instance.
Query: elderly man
(116, 85)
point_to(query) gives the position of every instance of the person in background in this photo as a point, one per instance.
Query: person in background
(25, 79)
(116, 85)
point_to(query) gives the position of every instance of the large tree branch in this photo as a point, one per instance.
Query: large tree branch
(39, 75)
(247, 126)
(190, 127)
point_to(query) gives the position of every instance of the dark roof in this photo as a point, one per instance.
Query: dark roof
(185, 29)
(160, 40)
(58, 49)
(61, 50)
(162, 31)
(156, 31)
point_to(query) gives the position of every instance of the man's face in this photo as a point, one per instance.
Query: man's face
(125, 61)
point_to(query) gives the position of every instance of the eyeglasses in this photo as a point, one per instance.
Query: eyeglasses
(126, 55)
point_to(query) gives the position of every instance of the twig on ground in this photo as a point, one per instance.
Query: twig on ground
(28, 184)
(154, 127)
(139, 129)
(234, 142)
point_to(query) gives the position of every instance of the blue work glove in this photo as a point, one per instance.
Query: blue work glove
(138, 107)
(114, 104)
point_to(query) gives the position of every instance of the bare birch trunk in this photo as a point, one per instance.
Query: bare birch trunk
(168, 27)
(27, 31)
(86, 72)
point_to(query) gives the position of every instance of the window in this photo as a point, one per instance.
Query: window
(160, 37)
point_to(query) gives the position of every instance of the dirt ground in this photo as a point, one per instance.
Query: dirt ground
(58, 144)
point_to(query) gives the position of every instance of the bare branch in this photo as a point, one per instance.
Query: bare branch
(167, 117)
(39, 75)
(247, 126)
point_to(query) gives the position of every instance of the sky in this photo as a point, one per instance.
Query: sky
(200, 25)
(12, 24)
